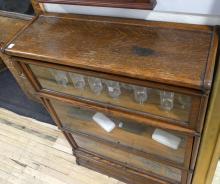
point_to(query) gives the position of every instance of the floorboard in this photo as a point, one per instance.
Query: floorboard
(37, 153)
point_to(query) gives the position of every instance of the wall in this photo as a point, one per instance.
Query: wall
(206, 12)
(211, 7)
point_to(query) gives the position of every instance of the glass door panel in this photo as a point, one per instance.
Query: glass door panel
(127, 96)
(161, 170)
(162, 144)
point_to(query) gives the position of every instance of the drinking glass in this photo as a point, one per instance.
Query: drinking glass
(78, 80)
(95, 85)
(185, 101)
(60, 77)
(140, 94)
(113, 87)
(166, 100)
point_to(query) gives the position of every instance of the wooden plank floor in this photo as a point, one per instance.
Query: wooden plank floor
(33, 152)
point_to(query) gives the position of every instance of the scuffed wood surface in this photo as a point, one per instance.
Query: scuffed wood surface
(159, 52)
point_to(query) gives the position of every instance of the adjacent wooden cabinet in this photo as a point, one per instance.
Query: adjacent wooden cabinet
(130, 96)
(10, 24)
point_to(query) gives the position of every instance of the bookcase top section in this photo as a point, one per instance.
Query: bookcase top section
(169, 53)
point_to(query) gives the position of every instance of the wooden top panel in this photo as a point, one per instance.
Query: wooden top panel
(174, 54)
(10, 24)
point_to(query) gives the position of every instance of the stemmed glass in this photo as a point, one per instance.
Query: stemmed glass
(166, 100)
(78, 80)
(95, 85)
(60, 77)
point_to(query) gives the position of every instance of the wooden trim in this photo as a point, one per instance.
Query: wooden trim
(36, 6)
(151, 84)
(31, 77)
(134, 4)
(208, 77)
(117, 113)
(134, 22)
(81, 152)
(197, 106)
(184, 166)
(19, 76)
(214, 161)
(202, 112)
(13, 15)
(58, 123)
(195, 151)
(89, 160)
(8, 42)
(204, 172)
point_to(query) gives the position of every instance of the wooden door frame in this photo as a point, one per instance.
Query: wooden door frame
(209, 153)
(38, 7)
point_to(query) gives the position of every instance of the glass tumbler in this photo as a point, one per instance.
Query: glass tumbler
(166, 100)
(140, 94)
(113, 87)
(78, 80)
(185, 101)
(60, 77)
(95, 85)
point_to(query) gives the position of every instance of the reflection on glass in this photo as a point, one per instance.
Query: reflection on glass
(60, 77)
(77, 80)
(113, 87)
(119, 94)
(166, 100)
(127, 87)
(140, 94)
(95, 85)
(185, 101)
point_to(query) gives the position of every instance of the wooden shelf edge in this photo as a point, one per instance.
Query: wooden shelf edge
(144, 4)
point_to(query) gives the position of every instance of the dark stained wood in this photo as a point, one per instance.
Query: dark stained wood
(36, 6)
(83, 156)
(10, 24)
(117, 113)
(167, 56)
(186, 117)
(162, 86)
(21, 79)
(134, 4)
(177, 56)
(139, 143)
(212, 59)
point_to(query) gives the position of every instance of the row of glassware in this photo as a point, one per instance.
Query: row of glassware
(114, 88)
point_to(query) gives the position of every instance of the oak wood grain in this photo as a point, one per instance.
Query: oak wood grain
(10, 24)
(177, 56)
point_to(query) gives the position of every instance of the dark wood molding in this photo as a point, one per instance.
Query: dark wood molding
(133, 4)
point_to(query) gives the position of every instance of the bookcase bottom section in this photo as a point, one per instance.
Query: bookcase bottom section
(116, 171)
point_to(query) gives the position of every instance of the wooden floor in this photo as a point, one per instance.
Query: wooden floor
(36, 153)
(32, 152)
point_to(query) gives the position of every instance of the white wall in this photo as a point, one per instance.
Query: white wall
(205, 12)
(211, 7)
